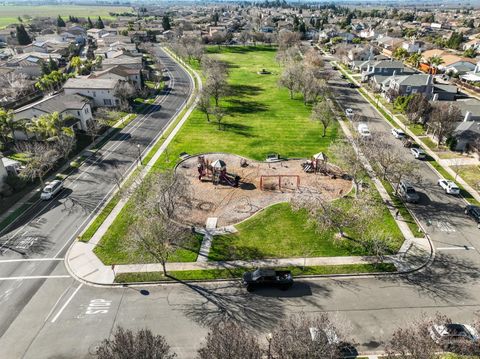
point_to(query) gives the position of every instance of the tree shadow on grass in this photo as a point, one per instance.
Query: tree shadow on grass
(229, 252)
(240, 49)
(238, 90)
(238, 128)
(244, 107)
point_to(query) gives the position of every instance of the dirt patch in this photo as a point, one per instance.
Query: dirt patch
(234, 204)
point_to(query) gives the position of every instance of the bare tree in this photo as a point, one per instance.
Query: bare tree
(215, 73)
(384, 155)
(323, 113)
(302, 336)
(348, 158)
(291, 78)
(414, 341)
(418, 108)
(289, 55)
(288, 39)
(443, 119)
(313, 58)
(219, 114)
(41, 158)
(204, 104)
(230, 340)
(125, 91)
(126, 344)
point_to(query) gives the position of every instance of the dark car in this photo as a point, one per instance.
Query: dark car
(474, 212)
(334, 67)
(262, 277)
(352, 85)
(343, 76)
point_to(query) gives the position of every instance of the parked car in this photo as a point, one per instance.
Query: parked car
(449, 186)
(343, 77)
(451, 336)
(349, 112)
(352, 85)
(474, 212)
(418, 153)
(334, 67)
(262, 277)
(364, 131)
(51, 190)
(398, 133)
(407, 192)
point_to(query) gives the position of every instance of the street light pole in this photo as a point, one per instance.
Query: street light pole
(269, 339)
(139, 155)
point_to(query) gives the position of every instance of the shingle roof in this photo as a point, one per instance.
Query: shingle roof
(413, 80)
(57, 103)
(86, 83)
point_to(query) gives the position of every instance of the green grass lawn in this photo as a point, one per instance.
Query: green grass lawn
(470, 173)
(209, 274)
(9, 13)
(279, 232)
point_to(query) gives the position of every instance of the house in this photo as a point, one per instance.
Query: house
(466, 133)
(101, 91)
(367, 33)
(10, 168)
(30, 64)
(389, 44)
(384, 68)
(412, 46)
(450, 62)
(133, 62)
(472, 76)
(72, 105)
(122, 73)
(472, 44)
(96, 33)
(406, 85)
(445, 92)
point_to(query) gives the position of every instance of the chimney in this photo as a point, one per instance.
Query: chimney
(467, 117)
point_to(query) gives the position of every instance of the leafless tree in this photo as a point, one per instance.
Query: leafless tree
(230, 340)
(219, 114)
(418, 108)
(289, 55)
(14, 84)
(322, 112)
(244, 37)
(126, 344)
(384, 155)
(41, 158)
(215, 73)
(287, 39)
(125, 91)
(348, 158)
(407, 168)
(414, 340)
(291, 78)
(96, 126)
(302, 336)
(442, 121)
(188, 47)
(204, 104)
(313, 58)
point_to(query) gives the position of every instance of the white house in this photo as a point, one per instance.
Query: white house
(412, 46)
(120, 72)
(71, 105)
(101, 91)
(96, 33)
(472, 76)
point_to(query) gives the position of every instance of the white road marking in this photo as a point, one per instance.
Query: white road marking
(31, 260)
(35, 277)
(98, 306)
(66, 303)
(445, 226)
(465, 248)
(56, 303)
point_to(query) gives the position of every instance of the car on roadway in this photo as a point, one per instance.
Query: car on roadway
(451, 336)
(364, 131)
(264, 277)
(352, 85)
(51, 190)
(349, 112)
(407, 192)
(398, 133)
(418, 153)
(343, 77)
(449, 186)
(474, 213)
(334, 67)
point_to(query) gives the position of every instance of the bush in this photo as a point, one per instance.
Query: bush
(452, 143)
(74, 164)
(15, 182)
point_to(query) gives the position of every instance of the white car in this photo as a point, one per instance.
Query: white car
(349, 112)
(51, 190)
(398, 133)
(418, 153)
(452, 333)
(449, 186)
(364, 131)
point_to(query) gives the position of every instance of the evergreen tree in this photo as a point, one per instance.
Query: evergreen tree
(22, 36)
(60, 22)
(99, 24)
(89, 23)
(166, 22)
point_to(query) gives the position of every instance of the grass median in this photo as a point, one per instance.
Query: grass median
(236, 273)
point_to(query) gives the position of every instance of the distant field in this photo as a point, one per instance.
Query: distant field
(10, 13)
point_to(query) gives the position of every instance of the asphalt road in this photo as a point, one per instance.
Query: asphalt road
(67, 319)
(32, 245)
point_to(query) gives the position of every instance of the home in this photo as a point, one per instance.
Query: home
(367, 34)
(71, 105)
(101, 91)
(133, 62)
(96, 33)
(472, 76)
(30, 64)
(217, 30)
(10, 168)
(449, 62)
(384, 68)
(389, 44)
(120, 72)
(472, 44)
(405, 85)
(412, 46)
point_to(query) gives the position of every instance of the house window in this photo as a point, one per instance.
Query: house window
(414, 90)
(86, 110)
(409, 88)
(94, 94)
(107, 102)
(78, 113)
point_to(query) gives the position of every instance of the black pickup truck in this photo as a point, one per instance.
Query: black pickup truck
(267, 278)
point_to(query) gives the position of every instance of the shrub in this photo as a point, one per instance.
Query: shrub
(15, 182)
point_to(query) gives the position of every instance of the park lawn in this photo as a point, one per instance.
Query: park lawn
(9, 13)
(233, 273)
(470, 173)
(261, 118)
(280, 232)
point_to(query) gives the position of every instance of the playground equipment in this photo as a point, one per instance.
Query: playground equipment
(216, 172)
(318, 163)
(279, 182)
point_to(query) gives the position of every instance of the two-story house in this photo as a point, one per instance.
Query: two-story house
(101, 91)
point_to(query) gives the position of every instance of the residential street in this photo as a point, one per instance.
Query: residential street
(76, 317)
(35, 244)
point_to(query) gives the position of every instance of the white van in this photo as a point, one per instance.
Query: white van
(363, 130)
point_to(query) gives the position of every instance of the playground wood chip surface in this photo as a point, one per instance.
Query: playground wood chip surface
(235, 204)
